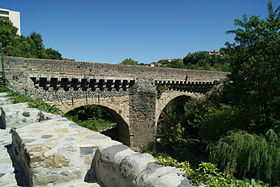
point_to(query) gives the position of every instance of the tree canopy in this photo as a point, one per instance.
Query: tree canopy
(31, 46)
(129, 61)
(254, 59)
(239, 120)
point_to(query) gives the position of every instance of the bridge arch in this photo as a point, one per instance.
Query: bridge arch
(118, 107)
(168, 96)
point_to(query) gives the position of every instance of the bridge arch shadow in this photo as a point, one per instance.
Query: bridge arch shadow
(169, 96)
(119, 133)
(167, 119)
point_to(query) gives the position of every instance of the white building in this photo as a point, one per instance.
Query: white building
(13, 16)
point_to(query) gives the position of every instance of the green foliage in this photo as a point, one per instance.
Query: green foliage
(208, 174)
(194, 110)
(254, 81)
(198, 60)
(182, 113)
(53, 54)
(178, 126)
(253, 30)
(249, 100)
(174, 63)
(129, 61)
(8, 36)
(253, 92)
(95, 124)
(92, 117)
(249, 155)
(218, 122)
(201, 58)
(31, 46)
(165, 159)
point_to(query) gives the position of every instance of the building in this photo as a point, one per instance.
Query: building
(13, 16)
(218, 53)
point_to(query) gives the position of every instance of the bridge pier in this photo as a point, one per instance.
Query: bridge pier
(142, 112)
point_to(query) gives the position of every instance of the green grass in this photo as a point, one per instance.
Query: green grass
(32, 103)
(95, 124)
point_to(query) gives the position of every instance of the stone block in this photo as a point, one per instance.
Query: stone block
(18, 115)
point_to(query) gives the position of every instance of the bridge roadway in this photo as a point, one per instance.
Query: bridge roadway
(135, 95)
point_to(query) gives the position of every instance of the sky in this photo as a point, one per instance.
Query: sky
(110, 31)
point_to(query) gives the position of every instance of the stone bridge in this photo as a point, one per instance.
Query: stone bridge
(135, 95)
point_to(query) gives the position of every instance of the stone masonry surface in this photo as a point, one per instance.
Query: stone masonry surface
(67, 68)
(53, 151)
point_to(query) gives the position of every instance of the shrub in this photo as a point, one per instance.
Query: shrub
(248, 155)
(208, 174)
(218, 122)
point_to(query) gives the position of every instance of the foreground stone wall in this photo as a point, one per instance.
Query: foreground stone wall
(53, 151)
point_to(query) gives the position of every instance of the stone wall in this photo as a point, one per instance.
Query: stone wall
(67, 68)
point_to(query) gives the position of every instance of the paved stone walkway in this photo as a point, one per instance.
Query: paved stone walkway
(7, 171)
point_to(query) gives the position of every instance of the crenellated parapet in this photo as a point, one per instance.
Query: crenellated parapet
(92, 83)
(185, 86)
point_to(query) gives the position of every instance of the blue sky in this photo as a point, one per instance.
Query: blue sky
(144, 30)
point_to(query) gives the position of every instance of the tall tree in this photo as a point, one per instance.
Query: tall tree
(8, 36)
(255, 62)
(30, 47)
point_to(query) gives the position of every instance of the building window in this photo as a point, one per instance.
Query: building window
(4, 12)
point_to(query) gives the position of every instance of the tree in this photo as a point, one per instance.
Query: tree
(37, 45)
(129, 61)
(30, 47)
(202, 60)
(8, 36)
(255, 62)
(253, 90)
(53, 54)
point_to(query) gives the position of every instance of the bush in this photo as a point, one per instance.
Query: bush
(92, 117)
(218, 122)
(248, 155)
(208, 174)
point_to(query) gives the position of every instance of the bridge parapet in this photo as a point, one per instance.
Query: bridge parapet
(184, 86)
(84, 69)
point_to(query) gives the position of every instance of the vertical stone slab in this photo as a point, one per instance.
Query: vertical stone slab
(142, 109)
